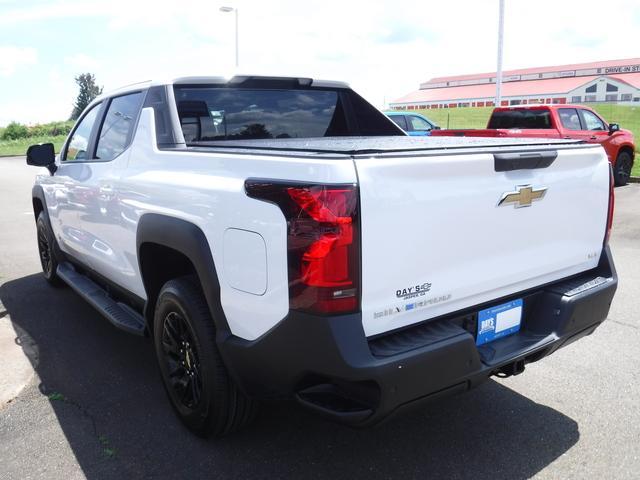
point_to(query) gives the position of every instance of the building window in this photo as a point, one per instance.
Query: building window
(636, 99)
(576, 99)
(611, 88)
(592, 89)
(514, 102)
(626, 97)
(589, 98)
(611, 97)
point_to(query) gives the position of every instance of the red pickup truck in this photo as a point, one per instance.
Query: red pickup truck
(560, 121)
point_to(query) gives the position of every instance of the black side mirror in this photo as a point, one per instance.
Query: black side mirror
(436, 127)
(613, 127)
(42, 155)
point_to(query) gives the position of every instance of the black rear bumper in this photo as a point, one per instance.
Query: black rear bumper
(331, 367)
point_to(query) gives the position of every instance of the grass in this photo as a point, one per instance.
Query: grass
(627, 116)
(19, 147)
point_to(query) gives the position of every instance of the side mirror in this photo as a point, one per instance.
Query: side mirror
(42, 155)
(436, 127)
(613, 127)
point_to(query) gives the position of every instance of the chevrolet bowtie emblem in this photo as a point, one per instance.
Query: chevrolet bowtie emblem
(523, 196)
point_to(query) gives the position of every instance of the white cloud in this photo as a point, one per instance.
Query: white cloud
(12, 58)
(81, 62)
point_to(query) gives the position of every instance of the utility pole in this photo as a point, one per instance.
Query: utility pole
(500, 42)
(234, 10)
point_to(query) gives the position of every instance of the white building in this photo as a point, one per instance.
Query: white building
(607, 81)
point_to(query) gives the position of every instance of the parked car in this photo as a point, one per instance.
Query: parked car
(414, 124)
(274, 243)
(561, 121)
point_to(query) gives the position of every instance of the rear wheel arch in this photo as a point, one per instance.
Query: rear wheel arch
(170, 247)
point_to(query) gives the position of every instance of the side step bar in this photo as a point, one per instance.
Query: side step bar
(119, 314)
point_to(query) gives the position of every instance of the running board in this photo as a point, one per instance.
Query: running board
(119, 314)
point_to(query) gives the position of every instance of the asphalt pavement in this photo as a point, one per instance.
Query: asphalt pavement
(96, 409)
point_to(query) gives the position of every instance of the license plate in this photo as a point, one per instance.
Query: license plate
(498, 322)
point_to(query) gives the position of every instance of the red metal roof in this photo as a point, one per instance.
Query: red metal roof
(549, 87)
(632, 79)
(556, 68)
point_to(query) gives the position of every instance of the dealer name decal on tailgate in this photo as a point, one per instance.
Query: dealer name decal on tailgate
(413, 291)
(412, 306)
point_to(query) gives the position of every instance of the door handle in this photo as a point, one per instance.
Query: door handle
(507, 162)
(593, 137)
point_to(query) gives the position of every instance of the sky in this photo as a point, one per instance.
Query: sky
(384, 49)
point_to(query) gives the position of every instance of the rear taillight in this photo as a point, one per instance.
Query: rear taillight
(323, 243)
(611, 207)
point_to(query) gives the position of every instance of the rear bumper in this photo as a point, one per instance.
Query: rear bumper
(329, 365)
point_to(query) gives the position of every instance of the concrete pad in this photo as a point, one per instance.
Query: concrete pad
(17, 351)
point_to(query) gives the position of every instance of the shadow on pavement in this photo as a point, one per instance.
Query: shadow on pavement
(107, 396)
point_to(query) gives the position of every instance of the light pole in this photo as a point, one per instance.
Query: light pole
(499, 68)
(235, 10)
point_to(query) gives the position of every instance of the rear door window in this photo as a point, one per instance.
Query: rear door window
(399, 120)
(569, 118)
(521, 118)
(118, 125)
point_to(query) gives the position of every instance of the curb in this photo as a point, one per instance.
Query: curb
(634, 179)
(19, 357)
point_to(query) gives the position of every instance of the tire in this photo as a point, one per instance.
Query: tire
(622, 172)
(47, 251)
(201, 392)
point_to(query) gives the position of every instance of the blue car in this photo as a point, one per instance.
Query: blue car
(414, 124)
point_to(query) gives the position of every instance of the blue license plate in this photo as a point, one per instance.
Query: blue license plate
(498, 322)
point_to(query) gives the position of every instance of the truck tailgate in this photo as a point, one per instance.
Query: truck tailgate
(435, 238)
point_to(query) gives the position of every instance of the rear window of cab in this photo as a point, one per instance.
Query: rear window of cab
(211, 113)
(516, 118)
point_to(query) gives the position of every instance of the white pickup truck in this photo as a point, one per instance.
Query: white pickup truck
(281, 237)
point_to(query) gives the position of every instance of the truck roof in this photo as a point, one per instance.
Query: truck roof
(235, 80)
(540, 106)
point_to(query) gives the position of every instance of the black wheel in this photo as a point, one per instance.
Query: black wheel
(47, 252)
(200, 390)
(622, 172)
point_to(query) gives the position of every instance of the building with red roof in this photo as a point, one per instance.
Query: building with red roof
(606, 81)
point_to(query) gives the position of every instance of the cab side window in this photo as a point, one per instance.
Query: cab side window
(117, 128)
(591, 121)
(569, 118)
(79, 143)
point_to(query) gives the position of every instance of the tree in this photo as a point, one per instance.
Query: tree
(88, 91)
(14, 131)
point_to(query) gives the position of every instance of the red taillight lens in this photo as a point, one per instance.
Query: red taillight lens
(611, 206)
(322, 243)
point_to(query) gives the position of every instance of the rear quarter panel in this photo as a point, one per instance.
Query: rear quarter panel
(207, 189)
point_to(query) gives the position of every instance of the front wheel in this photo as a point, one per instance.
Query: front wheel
(46, 251)
(622, 171)
(199, 387)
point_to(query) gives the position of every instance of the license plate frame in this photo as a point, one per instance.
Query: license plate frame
(499, 321)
